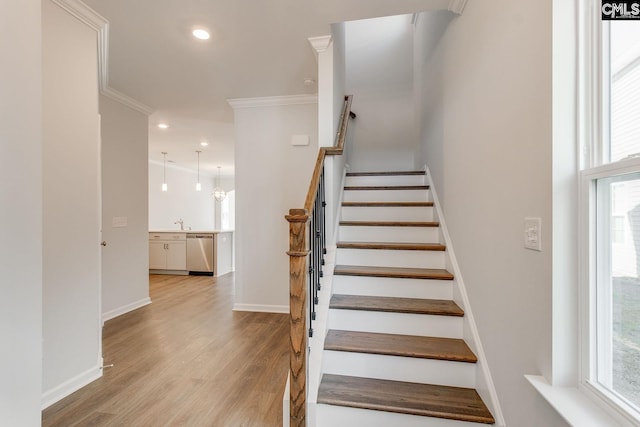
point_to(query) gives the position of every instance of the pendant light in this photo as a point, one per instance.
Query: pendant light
(218, 193)
(198, 185)
(164, 172)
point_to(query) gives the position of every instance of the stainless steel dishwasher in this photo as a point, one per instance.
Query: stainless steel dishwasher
(200, 253)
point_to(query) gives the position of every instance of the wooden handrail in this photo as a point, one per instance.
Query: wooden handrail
(298, 252)
(337, 149)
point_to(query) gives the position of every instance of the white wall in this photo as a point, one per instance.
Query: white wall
(21, 214)
(335, 165)
(196, 208)
(272, 177)
(486, 136)
(379, 58)
(71, 236)
(125, 275)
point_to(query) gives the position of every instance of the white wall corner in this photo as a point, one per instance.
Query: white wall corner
(319, 44)
(457, 6)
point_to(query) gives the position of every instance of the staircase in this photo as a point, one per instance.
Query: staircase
(394, 352)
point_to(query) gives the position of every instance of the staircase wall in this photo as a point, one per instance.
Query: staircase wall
(380, 77)
(484, 115)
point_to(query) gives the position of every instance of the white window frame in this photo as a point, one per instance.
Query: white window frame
(592, 131)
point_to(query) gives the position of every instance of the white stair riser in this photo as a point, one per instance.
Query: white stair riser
(410, 369)
(386, 195)
(394, 213)
(390, 258)
(392, 287)
(395, 323)
(350, 233)
(385, 180)
(341, 416)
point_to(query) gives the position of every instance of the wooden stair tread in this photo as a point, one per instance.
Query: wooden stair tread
(393, 173)
(386, 187)
(452, 349)
(390, 223)
(396, 305)
(393, 246)
(396, 272)
(454, 403)
(387, 204)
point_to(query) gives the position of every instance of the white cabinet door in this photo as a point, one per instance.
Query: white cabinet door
(177, 256)
(157, 255)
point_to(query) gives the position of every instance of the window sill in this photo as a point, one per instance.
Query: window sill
(572, 404)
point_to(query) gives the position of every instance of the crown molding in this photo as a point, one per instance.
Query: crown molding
(83, 12)
(272, 101)
(100, 25)
(319, 44)
(457, 6)
(127, 101)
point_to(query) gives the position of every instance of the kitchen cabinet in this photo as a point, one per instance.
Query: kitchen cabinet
(168, 251)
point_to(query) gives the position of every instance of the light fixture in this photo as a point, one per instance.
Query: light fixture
(218, 193)
(163, 125)
(164, 172)
(198, 185)
(201, 34)
(204, 143)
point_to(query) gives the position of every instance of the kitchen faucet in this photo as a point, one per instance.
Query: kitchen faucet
(181, 222)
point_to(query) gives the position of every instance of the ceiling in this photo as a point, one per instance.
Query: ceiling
(257, 48)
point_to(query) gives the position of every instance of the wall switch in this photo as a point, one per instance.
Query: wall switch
(532, 227)
(119, 221)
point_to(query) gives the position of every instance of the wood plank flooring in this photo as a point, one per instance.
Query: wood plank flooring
(186, 359)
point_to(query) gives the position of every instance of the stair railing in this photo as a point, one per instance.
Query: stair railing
(307, 247)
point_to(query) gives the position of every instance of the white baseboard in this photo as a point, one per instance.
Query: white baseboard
(74, 384)
(125, 309)
(262, 308)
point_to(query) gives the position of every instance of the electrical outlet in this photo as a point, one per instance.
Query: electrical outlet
(532, 231)
(119, 221)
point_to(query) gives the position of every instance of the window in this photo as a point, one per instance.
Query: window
(610, 209)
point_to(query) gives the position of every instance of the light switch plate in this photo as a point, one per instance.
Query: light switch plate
(532, 232)
(119, 221)
(299, 140)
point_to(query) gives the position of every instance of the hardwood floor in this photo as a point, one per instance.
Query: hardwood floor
(185, 360)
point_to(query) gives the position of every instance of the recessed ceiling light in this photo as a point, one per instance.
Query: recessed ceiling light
(204, 143)
(163, 125)
(201, 34)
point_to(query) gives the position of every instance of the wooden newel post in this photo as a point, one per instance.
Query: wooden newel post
(298, 252)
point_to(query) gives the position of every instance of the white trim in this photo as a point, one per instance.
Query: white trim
(111, 314)
(261, 308)
(319, 44)
(97, 22)
(572, 404)
(126, 100)
(83, 12)
(272, 101)
(72, 385)
(457, 6)
(470, 325)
